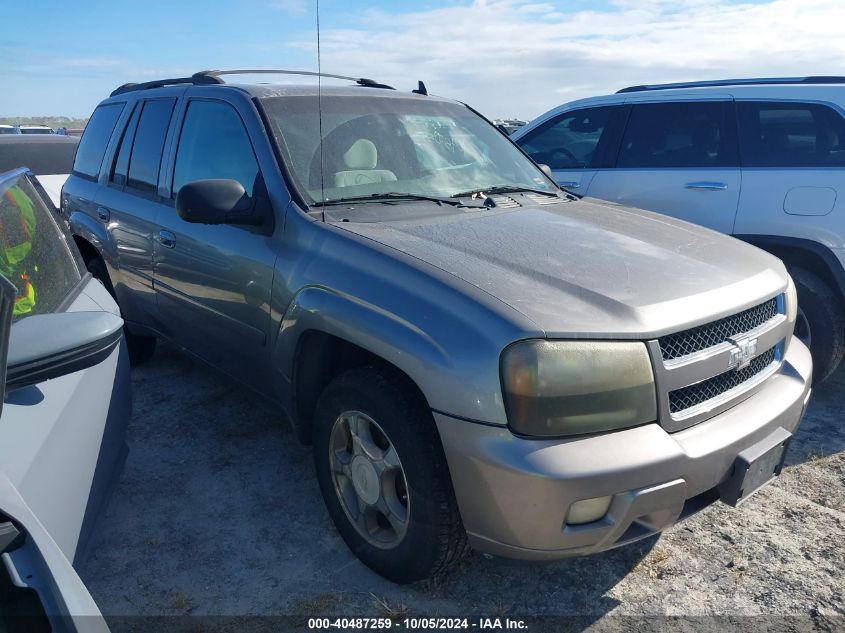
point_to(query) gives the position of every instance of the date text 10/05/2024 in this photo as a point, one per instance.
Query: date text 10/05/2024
(416, 624)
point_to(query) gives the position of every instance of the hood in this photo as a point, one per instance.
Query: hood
(591, 269)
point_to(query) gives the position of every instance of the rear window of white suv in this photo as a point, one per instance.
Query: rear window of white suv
(790, 135)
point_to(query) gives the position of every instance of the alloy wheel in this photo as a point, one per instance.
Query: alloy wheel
(369, 479)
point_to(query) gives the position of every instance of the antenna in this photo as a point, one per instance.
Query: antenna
(320, 117)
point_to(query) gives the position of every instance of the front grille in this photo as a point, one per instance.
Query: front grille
(693, 395)
(710, 334)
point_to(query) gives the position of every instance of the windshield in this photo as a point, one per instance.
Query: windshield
(410, 145)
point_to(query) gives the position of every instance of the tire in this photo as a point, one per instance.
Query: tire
(141, 348)
(433, 538)
(820, 320)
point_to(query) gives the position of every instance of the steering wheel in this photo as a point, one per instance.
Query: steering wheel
(572, 158)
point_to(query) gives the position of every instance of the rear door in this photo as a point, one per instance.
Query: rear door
(128, 204)
(679, 158)
(793, 154)
(575, 144)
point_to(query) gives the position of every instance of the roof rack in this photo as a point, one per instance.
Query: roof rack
(212, 77)
(816, 79)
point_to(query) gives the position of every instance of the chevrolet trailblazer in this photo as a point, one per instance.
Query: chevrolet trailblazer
(477, 357)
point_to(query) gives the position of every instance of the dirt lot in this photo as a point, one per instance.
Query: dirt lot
(218, 513)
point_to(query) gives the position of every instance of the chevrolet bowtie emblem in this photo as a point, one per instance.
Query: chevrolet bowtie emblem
(742, 353)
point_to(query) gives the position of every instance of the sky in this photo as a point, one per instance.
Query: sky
(507, 58)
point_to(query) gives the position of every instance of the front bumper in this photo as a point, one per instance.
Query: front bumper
(514, 493)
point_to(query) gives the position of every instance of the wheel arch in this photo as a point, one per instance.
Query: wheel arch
(91, 236)
(86, 249)
(324, 333)
(797, 252)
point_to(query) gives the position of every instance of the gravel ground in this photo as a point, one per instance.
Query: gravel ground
(218, 512)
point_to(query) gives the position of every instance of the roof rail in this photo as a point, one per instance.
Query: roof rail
(212, 77)
(816, 79)
(361, 81)
(160, 83)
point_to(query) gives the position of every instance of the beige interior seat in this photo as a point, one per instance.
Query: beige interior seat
(361, 159)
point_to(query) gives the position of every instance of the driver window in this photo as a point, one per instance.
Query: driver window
(214, 144)
(568, 141)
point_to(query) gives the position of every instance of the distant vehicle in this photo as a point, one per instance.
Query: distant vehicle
(75, 131)
(49, 157)
(34, 129)
(64, 375)
(509, 126)
(759, 159)
(8, 129)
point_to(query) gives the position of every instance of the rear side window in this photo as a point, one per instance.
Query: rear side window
(92, 147)
(683, 134)
(568, 141)
(214, 144)
(34, 253)
(790, 135)
(121, 161)
(148, 145)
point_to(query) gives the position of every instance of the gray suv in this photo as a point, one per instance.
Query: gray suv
(477, 357)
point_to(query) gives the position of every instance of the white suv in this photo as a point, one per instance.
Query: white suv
(760, 159)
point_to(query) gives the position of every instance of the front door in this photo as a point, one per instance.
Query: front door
(573, 144)
(213, 282)
(680, 159)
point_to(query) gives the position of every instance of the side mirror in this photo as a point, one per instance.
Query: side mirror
(219, 201)
(546, 170)
(45, 346)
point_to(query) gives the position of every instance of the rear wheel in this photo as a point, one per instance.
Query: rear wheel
(141, 348)
(384, 477)
(820, 323)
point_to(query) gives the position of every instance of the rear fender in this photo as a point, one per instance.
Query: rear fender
(95, 233)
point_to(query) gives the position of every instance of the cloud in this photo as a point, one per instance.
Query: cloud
(520, 58)
(88, 62)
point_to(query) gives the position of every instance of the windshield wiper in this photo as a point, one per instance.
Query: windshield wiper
(393, 195)
(503, 189)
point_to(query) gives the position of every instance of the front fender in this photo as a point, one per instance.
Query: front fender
(462, 381)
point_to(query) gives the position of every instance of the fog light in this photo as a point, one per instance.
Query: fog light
(588, 510)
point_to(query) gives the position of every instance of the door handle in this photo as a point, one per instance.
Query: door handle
(166, 238)
(569, 185)
(103, 213)
(705, 185)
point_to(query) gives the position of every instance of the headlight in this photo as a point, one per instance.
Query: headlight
(555, 388)
(791, 307)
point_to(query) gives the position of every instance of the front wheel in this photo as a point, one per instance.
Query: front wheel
(820, 323)
(384, 478)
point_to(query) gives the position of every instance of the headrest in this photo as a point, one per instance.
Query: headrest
(362, 155)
